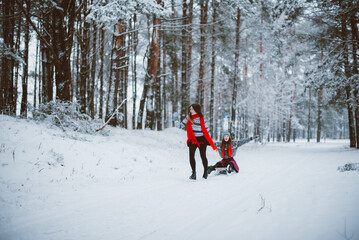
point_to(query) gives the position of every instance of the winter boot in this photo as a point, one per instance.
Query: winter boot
(205, 174)
(193, 176)
(229, 168)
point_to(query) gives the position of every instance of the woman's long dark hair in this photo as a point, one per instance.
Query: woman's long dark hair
(197, 108)
(227, 144)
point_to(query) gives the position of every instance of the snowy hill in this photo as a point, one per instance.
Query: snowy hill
(134, 185)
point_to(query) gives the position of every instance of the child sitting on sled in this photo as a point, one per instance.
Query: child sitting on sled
(227, 149)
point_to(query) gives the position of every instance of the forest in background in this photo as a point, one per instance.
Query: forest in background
(280, 69)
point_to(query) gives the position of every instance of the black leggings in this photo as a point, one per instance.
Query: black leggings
(202, 151)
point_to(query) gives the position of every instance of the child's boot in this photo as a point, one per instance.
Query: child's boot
(210, 169)
(229, 168)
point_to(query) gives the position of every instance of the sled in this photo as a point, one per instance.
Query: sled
(222, 171)
(225, 170)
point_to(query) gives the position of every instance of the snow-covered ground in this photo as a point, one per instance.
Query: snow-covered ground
(134, 185)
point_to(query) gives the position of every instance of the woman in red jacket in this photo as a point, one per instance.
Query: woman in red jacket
(197, 137)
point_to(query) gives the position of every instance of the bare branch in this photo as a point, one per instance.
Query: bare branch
(28, 19)
(263, 205)
(111, 116)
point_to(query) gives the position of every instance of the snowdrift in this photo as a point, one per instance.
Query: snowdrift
(134, 185)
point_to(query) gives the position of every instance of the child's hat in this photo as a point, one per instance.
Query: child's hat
(226, 133)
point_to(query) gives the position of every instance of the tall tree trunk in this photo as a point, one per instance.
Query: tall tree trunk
(284, 130)
(125, 76)
(73, 96)
(91, 92)
(77, 81)
(174, 64)
(158, 96)
(84, 65)
(350, 118)
(289, 128)
(36, 74)
(13, 86)
(355, 36)
(320, 105)
(184, 76)
(134, 69)
(147, 87)
(236, 74)
(189, 45)
(294, 95)
(167, 121)
(289, 124)
(354, 27)
(245, 94)
(7, 100)
(202, 29)
(213, 67)
(309, 118)
(39, 74)
(319, 119)
(16, 64)
(141, 109)
(23, 110)
(258, 120)
(63, 26)
(102, 53)
(292, 102)
(153, 65)
(295, 109)
(47, 60)
(118, 61)
(164, 84)
(279, 137)
(108, 99)
(348, 89)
